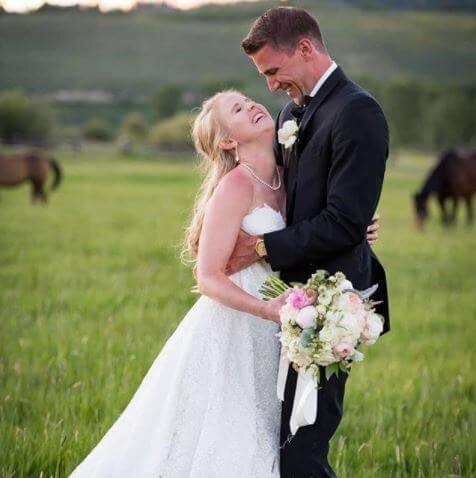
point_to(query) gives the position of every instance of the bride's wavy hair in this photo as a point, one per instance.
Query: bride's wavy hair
(207, 134)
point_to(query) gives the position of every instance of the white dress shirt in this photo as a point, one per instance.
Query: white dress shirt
(323, 78)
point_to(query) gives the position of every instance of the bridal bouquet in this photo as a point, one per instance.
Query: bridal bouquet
(324, 322)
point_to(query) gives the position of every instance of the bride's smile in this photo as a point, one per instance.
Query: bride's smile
(245, 118)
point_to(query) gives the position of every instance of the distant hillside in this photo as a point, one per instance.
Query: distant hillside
(132, 54)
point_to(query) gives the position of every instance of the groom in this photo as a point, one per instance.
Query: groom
(333, 174)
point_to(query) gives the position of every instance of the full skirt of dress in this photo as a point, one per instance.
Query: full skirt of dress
(207, 407)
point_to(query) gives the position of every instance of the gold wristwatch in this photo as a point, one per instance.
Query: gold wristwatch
(260, 248)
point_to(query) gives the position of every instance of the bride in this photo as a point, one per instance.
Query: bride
(207, 408)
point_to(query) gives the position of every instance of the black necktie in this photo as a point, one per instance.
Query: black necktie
(297, 111)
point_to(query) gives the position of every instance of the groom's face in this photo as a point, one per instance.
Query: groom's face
(283, 71)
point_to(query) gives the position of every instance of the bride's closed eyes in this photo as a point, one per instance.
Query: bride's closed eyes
(237, 107)
(243, 118)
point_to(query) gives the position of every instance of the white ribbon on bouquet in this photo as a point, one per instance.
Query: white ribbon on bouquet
(304, 410)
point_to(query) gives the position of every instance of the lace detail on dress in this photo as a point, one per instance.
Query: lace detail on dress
(207, 407)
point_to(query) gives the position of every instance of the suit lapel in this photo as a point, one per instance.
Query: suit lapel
(293, 160)
(320, 97)
(291, 179)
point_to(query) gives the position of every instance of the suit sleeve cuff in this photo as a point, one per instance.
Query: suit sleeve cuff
(275, 250)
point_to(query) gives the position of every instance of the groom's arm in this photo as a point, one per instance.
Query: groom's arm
(360, 149)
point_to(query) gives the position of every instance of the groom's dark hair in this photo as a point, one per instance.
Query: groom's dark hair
(281, 28)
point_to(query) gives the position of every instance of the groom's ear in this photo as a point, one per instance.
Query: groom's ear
(228, 144)
(305, 47)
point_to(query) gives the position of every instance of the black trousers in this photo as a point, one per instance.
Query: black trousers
(305, 454)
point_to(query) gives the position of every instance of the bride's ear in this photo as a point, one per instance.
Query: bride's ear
(228, 144)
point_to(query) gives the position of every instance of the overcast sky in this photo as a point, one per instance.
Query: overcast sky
(26, 5)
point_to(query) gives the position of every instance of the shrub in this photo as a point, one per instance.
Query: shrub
(173, 133)
(405, 104)
(134, 127)
(23, 119)
(168, 100)
(451, 121)
(98, 130)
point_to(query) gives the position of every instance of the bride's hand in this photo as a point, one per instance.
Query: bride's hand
(273, 306)
(372, 230)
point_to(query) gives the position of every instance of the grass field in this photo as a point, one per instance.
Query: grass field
(91, 287)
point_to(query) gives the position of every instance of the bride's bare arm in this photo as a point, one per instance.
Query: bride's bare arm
(224, 214)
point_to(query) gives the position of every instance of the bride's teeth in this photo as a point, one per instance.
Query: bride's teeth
(258, 117)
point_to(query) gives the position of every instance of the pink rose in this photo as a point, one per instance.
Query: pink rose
(344, 348)
(299, 299)
(311, 295)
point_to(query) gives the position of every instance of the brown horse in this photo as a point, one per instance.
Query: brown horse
(34, 167)
(453, 178)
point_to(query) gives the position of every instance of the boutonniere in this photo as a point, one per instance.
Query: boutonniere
(288, 133)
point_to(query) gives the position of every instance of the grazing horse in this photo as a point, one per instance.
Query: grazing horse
(453, 178)
(34, 167)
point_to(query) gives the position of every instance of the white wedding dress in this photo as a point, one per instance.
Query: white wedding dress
(207, 407)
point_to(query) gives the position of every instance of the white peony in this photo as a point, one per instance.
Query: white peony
(330, 335)
(287, 134)
(288, 313)
(350, 302)
(306, 317)
(333, 316)
(353, 323)
(372, 330)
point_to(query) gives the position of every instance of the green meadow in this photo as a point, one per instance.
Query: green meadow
(91, 287)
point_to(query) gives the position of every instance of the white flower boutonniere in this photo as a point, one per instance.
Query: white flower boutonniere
(288, 133)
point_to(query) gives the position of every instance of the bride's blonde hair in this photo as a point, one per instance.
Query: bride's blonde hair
(207, 134)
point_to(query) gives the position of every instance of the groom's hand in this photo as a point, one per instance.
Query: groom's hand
(372, 230)
(244, 254)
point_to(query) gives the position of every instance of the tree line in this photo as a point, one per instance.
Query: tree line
(419, 115)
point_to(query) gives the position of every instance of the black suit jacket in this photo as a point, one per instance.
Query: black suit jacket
(333, 175)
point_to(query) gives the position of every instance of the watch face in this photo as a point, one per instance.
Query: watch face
(261, 249)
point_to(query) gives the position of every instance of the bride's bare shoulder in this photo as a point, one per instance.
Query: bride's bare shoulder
(236, 184)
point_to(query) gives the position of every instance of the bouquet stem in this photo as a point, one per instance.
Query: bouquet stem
(273, 287)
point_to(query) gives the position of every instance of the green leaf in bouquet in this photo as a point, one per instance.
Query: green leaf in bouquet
(332, 369)
(307, 335)
(344, 367)
(317, 374)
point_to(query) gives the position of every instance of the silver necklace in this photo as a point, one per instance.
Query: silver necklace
(262, 181)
